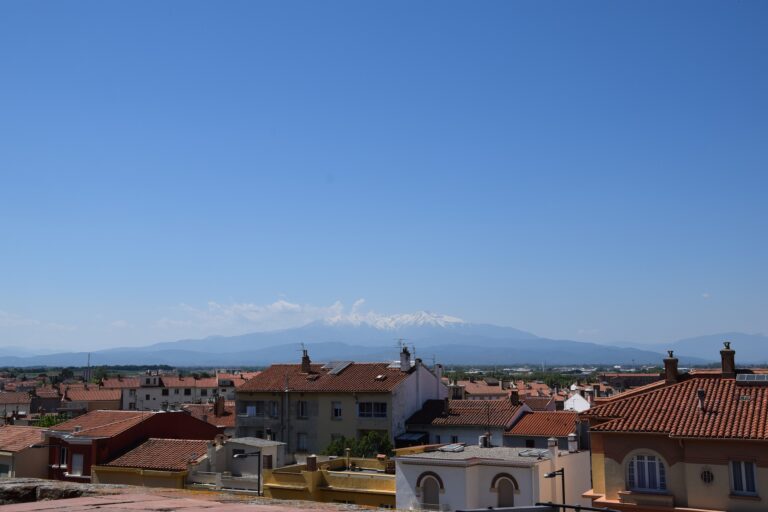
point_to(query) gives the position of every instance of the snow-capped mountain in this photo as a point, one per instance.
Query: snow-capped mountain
(393, 322)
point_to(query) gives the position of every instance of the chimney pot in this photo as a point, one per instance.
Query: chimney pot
(405, 360)
(306, 363)
(312, 463)
(573, 444)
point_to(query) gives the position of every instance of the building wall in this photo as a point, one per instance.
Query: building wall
(538, 441)
(684, 461)
(467, 435)
(139, 477)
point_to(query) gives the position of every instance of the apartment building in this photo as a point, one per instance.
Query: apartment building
(690, 441)
(155, 391)
(308, 405)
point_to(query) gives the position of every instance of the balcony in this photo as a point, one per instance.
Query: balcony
(647, 499)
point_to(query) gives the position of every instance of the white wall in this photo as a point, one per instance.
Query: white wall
(410, 395)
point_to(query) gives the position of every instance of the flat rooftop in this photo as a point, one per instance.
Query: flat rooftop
(528, 456)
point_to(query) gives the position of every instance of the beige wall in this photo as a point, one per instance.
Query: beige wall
(139, 477)
(685, 460)
(29, 463)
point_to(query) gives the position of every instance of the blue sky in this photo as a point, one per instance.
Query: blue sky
(591, 170)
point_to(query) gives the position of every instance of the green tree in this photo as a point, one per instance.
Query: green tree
(369, 445)
(50, 420)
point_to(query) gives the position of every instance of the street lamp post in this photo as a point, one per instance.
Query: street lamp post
(245, 455)
(561, 473)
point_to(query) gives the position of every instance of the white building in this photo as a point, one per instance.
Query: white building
(469, 477)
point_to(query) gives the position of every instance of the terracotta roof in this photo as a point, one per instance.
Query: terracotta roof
(357, 377)
(172, 381)
(15, 438)
(730, 411)
(47, 392)
(494, 413)
(537, 403)
(102, 423)
(121, 383)
(162, 454)
(545, 423)
(226, 420)
(14, 398)
(92, 394)
(480, 387)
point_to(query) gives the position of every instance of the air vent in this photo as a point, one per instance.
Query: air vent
(313, 376)
(381, 377)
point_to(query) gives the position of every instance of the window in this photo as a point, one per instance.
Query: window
(5, 470)
(646, 473)
(301, 409)
(164, 392)
(132, 406)
(743, 477)
(203, 392)
(187, 391)
(255, 408)
(336, 410)
(273, 408)
(454, 439)
(77, 464)
(131, 392)
(146, 397)
(63, 457)
(372, 409)
(176, 391)
(146, 381)
(437, 438)
(301, 442)
(530, 443)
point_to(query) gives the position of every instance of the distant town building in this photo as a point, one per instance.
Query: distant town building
(309, 405)
(23, 452)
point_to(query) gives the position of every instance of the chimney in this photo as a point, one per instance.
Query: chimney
(552, 447)
(218, 407)
(405, 360)
(446, 406)
(595, 390)
(312, 463)
(701, 395)
(514, 396)
(305, 362)
(670, 368)
(728, 358)
(573, 444)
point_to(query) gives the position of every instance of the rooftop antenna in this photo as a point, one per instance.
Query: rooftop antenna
(400, 343)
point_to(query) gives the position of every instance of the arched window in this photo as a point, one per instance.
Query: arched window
(430, 493)
(506, 490)
(646, 473)
(505, 487)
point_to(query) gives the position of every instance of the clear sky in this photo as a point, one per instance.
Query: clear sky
(582, 170)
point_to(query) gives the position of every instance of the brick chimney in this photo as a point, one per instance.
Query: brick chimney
(218, 407)
(306, 364)
(514, 396)
(728, 358)
(670, 368)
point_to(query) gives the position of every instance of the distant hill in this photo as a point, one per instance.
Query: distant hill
(750, 348)
(449, 340)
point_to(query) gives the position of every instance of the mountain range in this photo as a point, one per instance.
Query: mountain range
(447, 340)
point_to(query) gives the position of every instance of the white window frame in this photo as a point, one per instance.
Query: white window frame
(641, 463)
(741, 467)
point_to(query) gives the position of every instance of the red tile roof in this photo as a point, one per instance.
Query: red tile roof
(482, 388)
(545, 423)
(494, 413)
(730, 411)
(47, 392)
(173, 381)
(102, 423)
(91, 394)
(538, 403)
(162, 454)
(15, 398)
(200, 411)
(121, 383)
(15, 438)
(357, 377)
